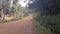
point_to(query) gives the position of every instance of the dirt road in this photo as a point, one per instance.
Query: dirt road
(23, 26)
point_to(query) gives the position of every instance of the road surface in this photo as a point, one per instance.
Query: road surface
(23, 26)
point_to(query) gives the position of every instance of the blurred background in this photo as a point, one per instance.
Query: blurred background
(14, 9)
(45, 13)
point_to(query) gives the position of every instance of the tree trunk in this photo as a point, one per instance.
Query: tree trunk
(4, 11)
(3, 18)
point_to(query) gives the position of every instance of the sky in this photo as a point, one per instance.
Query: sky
(25, 3)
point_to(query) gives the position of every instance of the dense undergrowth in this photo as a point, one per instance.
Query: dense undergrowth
(46, 24)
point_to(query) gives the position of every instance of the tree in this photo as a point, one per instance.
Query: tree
(6, 7)
(48, 14)
(15, 10)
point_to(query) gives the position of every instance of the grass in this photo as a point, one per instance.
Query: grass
(48, 23)
(40, 29)
(6, 21)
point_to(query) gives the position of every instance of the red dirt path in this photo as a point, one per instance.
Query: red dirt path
(23, 26)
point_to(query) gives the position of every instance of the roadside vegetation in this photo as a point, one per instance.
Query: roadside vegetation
(46, 24)
(39, 27)
(46, 17)
(10, 11)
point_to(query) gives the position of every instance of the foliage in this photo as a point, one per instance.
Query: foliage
(50, 14)
(6, 21)
(51, 22)
(40, 29)
(14, 9)
(48, 7)
(10, 11)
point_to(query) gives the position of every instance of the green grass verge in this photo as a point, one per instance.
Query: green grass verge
(40, 29)
(6, 21)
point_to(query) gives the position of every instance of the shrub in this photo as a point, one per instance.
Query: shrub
(51, 22)
(37, 21)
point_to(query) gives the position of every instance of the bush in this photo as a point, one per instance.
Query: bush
(51, 22)
(37, 21)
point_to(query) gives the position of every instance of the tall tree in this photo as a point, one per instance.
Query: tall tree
(6, 7)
